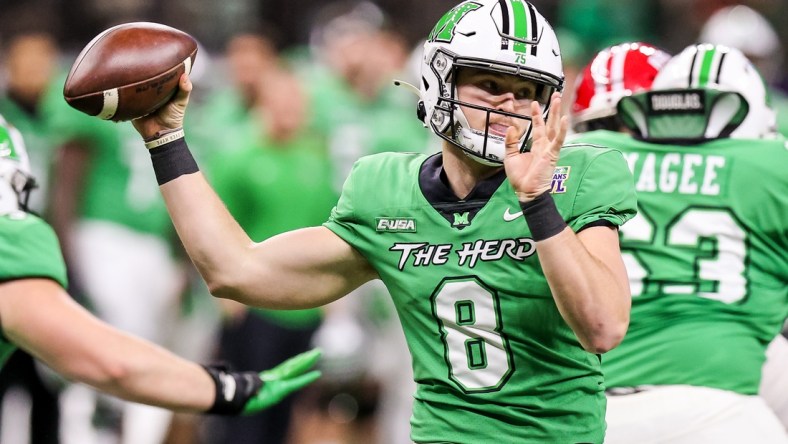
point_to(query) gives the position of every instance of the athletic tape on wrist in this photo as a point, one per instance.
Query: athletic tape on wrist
(542, 217)
(172, 160)
(162, 139)
(233, 389)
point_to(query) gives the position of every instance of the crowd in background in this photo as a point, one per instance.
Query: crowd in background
(288, 95)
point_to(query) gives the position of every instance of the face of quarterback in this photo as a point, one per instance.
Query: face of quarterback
(500, 93)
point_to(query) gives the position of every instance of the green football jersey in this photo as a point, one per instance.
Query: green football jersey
(119, 185)
(707, 257)
(28, 249)
(492, 357)
(262, 185)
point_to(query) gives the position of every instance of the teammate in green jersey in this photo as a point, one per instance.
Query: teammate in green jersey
(501, 252)
(41, 318)
(707, 254)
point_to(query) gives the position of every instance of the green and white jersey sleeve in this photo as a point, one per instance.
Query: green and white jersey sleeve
(28, 249)
(707, 257)
(492, 356)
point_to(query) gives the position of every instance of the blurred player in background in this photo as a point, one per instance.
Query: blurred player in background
(354, 54)
(745, 29)
(278, 180)
(353, 101)
(504, 317)
(40, 317)
(30, 62)
(228, 127)
(707, 264)
(117, 242)
(630, 68)
(227, 115)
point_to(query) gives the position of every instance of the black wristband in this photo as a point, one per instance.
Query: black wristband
(233, 389)
(542, 217)
(172, 160)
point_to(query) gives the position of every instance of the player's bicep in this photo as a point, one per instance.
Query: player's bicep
(303, 268)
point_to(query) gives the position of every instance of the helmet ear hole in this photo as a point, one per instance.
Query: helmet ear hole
(421, 111)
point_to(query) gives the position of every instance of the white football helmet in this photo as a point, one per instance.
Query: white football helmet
(16, 182)
(504, 36)
(721, 68)
(745, 29)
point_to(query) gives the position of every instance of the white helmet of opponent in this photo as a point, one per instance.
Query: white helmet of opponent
(721, 68)
(16, 181)
(505, 36)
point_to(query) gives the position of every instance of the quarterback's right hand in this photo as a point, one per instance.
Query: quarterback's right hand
(169, 117)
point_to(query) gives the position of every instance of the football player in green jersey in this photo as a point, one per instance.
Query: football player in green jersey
(707, 254)
(41, 318)
(500, 252)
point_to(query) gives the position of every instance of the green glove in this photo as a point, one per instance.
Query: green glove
(283, 380)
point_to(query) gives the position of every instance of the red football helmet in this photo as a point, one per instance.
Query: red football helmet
(615, 72)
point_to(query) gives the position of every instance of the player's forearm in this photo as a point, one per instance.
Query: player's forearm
(214, 241)
(43, 320)
(148, 374)
(163, 379)
(588, 294)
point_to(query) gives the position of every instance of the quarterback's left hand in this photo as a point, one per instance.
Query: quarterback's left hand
(531, 173)
(284, 379)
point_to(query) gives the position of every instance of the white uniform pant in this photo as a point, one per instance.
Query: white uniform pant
(681, 414)
(134, 285)
(774, 385)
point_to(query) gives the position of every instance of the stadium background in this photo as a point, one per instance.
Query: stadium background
(583, 26)
(669, 23)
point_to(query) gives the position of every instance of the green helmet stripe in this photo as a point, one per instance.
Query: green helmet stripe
(7, 148)
(705, 69)
(444, 29)
(520, 24)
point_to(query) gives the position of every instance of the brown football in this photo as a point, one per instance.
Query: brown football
(129, 70)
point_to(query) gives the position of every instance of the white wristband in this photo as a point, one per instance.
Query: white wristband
(166, 138)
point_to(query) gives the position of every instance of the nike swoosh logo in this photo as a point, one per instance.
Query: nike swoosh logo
(508, 217)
